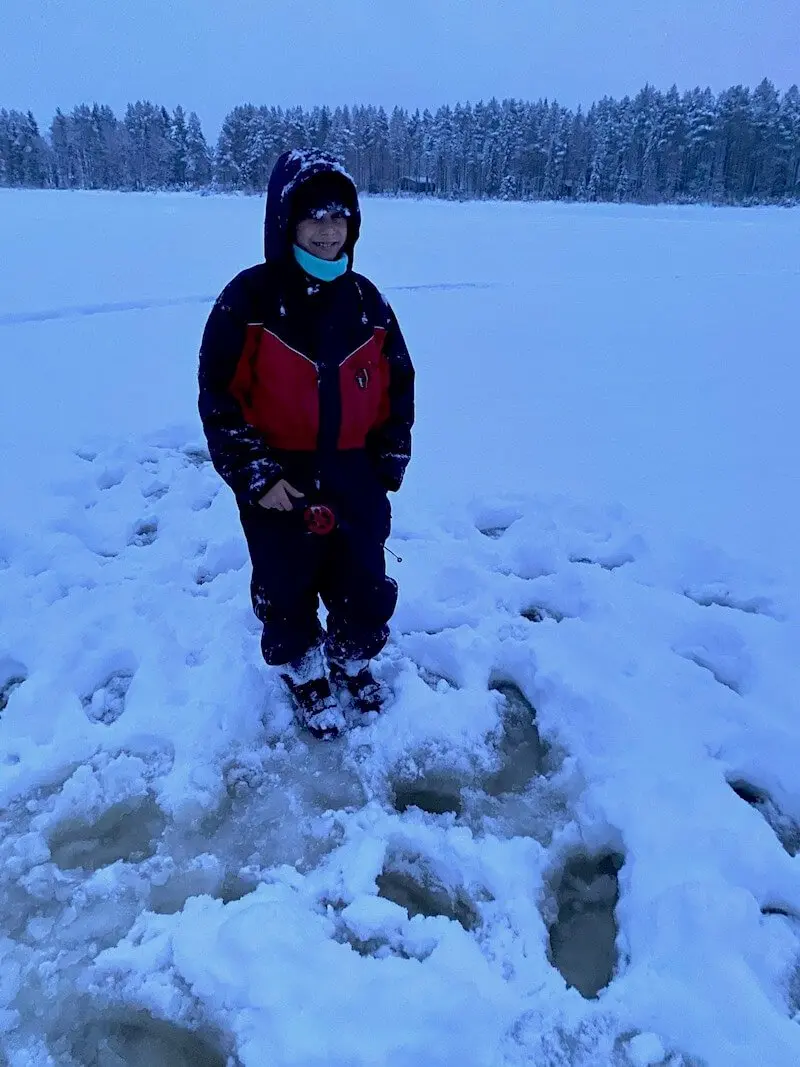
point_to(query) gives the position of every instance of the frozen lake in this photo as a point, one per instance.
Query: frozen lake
(645, 356)
(572, 838)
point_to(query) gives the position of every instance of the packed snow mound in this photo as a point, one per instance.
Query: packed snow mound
(572, 838)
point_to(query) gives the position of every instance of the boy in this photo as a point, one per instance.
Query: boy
(307, 403)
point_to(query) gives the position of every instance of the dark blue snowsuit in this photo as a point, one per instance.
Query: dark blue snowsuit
(312, 382)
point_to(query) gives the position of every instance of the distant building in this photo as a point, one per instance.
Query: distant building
(416, 185)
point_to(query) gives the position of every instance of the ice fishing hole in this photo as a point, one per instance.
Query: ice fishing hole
(128, 831)
(583, 937)
(139, 1040)
(785, 828)
(523, 753)
(416, 890)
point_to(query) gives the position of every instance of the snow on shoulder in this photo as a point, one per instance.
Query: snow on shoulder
(572, 838)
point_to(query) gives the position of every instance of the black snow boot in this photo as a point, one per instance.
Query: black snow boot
(354, 684)
(315, 706)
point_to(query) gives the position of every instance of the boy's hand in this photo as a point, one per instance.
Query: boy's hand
(280, 496)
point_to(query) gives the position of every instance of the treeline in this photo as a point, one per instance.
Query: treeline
(738, 147)
(92, 149)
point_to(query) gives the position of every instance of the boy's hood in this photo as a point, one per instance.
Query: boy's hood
(290, 172)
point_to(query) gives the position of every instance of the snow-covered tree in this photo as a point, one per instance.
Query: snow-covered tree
(24, 156)
(787, 181)
(199, 163)
(147, 147)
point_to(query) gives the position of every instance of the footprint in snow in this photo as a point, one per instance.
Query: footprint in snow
(172, 883)
(594, 1041)
(144, 532)
(523, 757)
(785, 829)
(435, 680)
(493, 532)
(523, 753)
(722, 597)
(107, 703)
(611, 561)
(720, 650)
(12, 675)
(243, 774)
(139, 1040)
(129, 831)
(236, 885)
(434, 794)
(110, 477)
(583, 937)
(204, 501)
(196, 456)
(539, 613)
(155, 490)
(494, 521)
(219, 558)
(408, 882)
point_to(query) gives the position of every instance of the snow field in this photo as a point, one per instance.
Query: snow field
(554, 789)
(607, 352)
(572, 840)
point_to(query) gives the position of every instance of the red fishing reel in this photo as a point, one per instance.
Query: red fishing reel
(319, 519)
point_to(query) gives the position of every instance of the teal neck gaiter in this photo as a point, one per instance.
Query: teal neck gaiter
(325, 270)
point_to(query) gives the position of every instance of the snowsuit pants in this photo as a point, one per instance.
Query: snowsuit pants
(293, 568)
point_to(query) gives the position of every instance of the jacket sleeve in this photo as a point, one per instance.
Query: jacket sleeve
(390, 443)
(238, 451)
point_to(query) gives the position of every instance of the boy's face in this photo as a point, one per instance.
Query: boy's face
(323, 234)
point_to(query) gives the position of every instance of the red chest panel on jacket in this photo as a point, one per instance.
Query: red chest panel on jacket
(278, 390)
(364, 391)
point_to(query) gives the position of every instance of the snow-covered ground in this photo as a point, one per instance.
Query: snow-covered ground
(573, 838)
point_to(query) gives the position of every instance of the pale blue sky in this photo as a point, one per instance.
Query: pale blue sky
(209, 55)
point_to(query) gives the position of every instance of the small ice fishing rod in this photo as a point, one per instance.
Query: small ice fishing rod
(321, 520)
